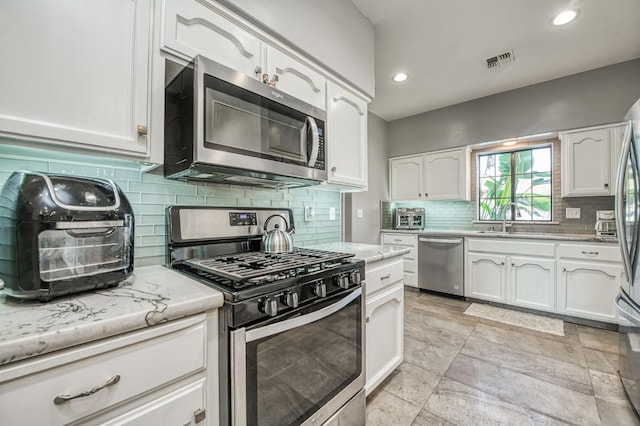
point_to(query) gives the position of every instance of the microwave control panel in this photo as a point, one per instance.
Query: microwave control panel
(242, 219)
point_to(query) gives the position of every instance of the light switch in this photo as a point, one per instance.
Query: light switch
(359, 213)
(572, 213)
(332, 213)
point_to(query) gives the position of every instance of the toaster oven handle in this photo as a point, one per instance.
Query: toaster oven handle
(315, 140)
(82, 233)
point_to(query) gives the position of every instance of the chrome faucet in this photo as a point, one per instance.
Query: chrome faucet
(504, 217)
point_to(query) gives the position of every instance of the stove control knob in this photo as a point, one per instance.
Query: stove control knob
(343, 281)
(355, 277)
(291, 299)
(270, 307)
(320, 289)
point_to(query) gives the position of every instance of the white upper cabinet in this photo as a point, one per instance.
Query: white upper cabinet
(75, 73)
(446, 175)
(192, 28)
(346, 138)
(442, 175)
(590, 159)
(296, 78)
(405, 178)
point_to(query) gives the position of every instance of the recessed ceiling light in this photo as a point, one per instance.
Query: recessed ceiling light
(565, 17)
(400, 77)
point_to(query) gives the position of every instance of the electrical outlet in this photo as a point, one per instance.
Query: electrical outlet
(572, 213)
(332, 213)
(309, 213)
(359, 213)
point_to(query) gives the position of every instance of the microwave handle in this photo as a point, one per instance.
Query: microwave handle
(315, 142)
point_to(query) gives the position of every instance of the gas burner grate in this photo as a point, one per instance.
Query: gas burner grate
(256, 266)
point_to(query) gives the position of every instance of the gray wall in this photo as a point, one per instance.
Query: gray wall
(367, 229)
(333, 32)
(599, 96)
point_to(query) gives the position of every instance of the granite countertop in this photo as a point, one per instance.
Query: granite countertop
(153, 295)
(510, 235)
(370, 253)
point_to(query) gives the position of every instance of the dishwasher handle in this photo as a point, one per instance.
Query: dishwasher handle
(441, 240)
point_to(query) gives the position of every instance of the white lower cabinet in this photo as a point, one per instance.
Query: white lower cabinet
(520, 273)
(384, 320)
(486, 277)
(570, 278)
(587, 289)
(532, 283)
(159, 375)
(410, 276)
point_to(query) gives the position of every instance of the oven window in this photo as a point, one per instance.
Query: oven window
(293, 374)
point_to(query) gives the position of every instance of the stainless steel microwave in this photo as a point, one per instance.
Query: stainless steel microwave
(224, 126)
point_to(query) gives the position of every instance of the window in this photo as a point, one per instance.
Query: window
(515, 185)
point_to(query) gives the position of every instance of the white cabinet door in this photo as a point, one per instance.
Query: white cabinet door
(384, 331)
(586, 161)
(446, 175)
(405, 178)
(486, 277)
(532, 282)
(75, 73)
(587, 289)
(347, 137)
(296, 78)
(192, 28)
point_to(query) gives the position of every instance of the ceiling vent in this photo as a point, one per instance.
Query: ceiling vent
(501, 59)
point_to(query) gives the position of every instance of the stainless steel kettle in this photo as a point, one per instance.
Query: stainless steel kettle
(277, 240)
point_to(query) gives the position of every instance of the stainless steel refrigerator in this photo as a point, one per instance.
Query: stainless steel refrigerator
(627, 224)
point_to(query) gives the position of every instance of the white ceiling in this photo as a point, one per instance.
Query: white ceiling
(443, 44)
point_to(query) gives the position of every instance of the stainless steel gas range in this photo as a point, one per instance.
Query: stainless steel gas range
(291, 329)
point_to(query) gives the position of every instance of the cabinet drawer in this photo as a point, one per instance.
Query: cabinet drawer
(384, 275)
(409, 265)
(140, 367)
(608, 252)
(399, 240)
(511, 247)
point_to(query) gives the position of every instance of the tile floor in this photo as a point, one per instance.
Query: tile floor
(463, 370)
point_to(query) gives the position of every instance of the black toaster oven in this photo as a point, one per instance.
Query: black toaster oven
(63, 234)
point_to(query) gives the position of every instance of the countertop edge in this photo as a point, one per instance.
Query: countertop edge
(517, 235)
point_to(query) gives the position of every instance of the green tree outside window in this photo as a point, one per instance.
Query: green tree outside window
(522, 177)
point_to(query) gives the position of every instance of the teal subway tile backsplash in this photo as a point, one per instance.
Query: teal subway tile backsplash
(150, 194)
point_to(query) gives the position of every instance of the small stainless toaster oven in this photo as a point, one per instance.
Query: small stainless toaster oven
(63, 234)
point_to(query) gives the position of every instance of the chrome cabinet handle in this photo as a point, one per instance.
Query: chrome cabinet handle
(61, 399)
(385, 277)
(590, 253)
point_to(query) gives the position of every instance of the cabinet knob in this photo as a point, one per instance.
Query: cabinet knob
(502, 263)
(199, 415)
(606, 185)
(334, 169)
(258, 72)
(142, 129)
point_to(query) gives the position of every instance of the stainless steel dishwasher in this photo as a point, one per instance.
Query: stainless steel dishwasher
(441, 265)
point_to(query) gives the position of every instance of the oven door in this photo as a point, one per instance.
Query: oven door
(302, 368)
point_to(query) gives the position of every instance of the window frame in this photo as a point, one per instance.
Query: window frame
(513, 174)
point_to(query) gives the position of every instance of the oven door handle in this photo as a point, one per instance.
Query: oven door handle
(279, 327)
(315, 141)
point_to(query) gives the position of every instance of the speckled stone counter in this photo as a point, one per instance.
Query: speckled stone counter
(153, 295)
(370, 253)
(512, 235)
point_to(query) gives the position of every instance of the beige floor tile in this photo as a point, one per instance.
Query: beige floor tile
(550, 348)
(606, 362)
(464, 405)
(384, 409)
(569, 375)
(427, 418)
(423, 319)
(430, 356)
(528, 392)
(613, 414)
(598, 339)
(412, 383)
